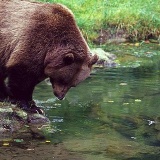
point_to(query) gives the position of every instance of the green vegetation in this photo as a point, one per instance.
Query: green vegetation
(138, 19)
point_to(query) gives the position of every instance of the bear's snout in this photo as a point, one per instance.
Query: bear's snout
(59, 95)
(60, 91)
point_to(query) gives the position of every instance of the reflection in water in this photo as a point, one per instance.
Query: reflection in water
(114, 114)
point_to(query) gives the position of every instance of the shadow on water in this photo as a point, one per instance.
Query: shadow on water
(113, 115)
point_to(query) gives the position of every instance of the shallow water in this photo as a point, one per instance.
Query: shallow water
(114, 114)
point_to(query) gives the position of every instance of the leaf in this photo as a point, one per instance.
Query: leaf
(137, 100)
(18, 140)
(5, 144)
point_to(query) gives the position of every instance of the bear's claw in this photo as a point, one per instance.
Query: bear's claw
(29, 107)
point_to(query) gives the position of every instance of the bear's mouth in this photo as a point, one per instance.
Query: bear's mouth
(60, 96)
(60, 91)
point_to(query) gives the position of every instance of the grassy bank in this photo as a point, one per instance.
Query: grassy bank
(139, 19)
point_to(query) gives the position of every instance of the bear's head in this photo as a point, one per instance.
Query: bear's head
(69, 60)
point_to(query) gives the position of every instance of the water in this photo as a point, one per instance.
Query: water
(113, 115)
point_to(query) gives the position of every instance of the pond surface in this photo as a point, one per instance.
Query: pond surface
(113, 115)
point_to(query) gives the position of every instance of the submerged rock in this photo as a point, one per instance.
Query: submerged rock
(157, 127)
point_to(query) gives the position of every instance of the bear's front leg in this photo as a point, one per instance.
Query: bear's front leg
(28, 106)
(3, 90)
(20, 90)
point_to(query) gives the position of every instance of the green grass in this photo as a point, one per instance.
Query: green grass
(139, 18)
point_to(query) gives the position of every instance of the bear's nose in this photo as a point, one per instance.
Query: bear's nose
(60, 96)
(60, 90)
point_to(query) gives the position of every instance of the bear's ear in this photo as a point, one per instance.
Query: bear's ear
(93, 59)
(68, 59)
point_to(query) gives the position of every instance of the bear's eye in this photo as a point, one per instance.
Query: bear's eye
(68, 59)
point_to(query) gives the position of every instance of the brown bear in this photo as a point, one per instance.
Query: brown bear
(40, 40)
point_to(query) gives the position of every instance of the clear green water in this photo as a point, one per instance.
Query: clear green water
(114, 114)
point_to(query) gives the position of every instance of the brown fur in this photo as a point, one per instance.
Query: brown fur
(39, 40)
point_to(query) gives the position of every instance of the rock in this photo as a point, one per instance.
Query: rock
(15, 122)
(106, 59)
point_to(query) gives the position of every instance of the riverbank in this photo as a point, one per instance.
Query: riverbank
(105, 21)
